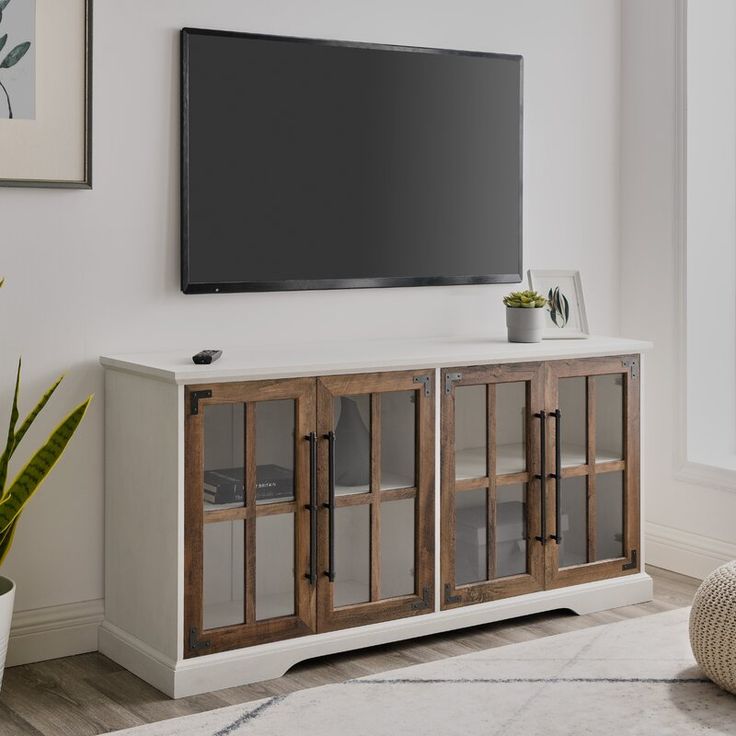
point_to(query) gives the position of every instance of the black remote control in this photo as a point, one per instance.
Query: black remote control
(205, 357)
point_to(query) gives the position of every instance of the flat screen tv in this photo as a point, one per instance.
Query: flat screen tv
(312, 164)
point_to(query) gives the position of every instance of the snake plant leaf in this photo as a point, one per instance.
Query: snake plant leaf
(3, 41)
(6, 541)
(20, 433)
(15, 55)
(4, 4)
(28, 421)
(30, 478)
(10, 443)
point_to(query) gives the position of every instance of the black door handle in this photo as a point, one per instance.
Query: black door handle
(557, 475)
(330, 572)
(312, 507)
(542, 477)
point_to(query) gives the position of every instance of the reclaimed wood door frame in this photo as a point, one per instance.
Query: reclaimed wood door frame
(197, 398)
(493, 588)
(629, 367)
(421, 601)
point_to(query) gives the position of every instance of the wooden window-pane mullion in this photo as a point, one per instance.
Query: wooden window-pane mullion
(375, 489)
(591, 455)
(250, 522)
(491, 470)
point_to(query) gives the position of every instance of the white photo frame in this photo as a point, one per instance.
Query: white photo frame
(570, 286)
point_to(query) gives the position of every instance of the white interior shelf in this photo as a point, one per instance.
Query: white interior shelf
(471, 462)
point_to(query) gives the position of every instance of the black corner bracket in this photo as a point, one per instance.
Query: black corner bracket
(633, 562)
(195, 396)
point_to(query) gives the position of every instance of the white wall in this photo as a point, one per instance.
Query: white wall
(93, 272)
(689, 518)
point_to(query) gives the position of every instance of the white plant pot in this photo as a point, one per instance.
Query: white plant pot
(7, 597)
(525, 325)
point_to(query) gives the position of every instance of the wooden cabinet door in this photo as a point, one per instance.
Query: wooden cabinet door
(593, 464)
(491, 490)
(376, 482)
(250, 514)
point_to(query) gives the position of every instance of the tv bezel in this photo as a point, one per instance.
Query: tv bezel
(191, 287)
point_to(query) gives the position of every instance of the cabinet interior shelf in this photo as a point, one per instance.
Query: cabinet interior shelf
(511, 458)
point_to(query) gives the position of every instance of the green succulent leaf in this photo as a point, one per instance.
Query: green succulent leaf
(524, 300)
(15, 55)
(3, 41)
(30, 478)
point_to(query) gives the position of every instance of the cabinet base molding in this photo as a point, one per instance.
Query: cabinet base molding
(268, 661)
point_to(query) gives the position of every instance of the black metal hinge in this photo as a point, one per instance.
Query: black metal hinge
(451, 378)
(195, 643)
(448, 597)
(633, 366)
(195, 396)
(633, 562)
(425, 602)
(427, 381)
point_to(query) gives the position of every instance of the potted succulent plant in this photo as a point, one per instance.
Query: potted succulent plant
(525, 316)
(16, 494)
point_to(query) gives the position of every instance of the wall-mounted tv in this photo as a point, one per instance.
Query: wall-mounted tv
(312, 164)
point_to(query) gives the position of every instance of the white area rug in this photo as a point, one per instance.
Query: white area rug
(629, 678)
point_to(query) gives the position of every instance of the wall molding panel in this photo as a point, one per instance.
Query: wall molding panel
(56, 631)
(687, 553)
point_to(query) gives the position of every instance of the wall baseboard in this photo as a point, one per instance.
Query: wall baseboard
(685, 552)
(56, 631)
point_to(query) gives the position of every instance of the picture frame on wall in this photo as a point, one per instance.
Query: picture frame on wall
(46, 93)
(566, 318)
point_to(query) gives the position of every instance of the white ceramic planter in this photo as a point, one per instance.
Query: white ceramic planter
(7, 597)
(525, 325)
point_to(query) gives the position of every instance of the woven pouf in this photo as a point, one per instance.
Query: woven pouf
(713, 626)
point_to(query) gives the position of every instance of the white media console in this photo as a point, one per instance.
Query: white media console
(289, 502)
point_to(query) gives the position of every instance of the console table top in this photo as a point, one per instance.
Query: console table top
(360, 356)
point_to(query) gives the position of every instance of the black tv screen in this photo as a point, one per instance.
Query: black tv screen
(310, 164)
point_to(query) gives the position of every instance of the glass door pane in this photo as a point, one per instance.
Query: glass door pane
(609, 515)
(275, 566)
(352, 555)
(573, 403)
(471, 536)
(471, 428)
(352, 444)
(274, 442)
(574, 517)
(224, 456)
(397, 548)
(511, 532)
(511, 427)
(398, 439)
(609, 418)
(223, 574)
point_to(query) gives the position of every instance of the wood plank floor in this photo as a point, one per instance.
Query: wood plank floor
(89, 694)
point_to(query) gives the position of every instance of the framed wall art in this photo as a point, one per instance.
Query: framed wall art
(46, 93)
(566, 317)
